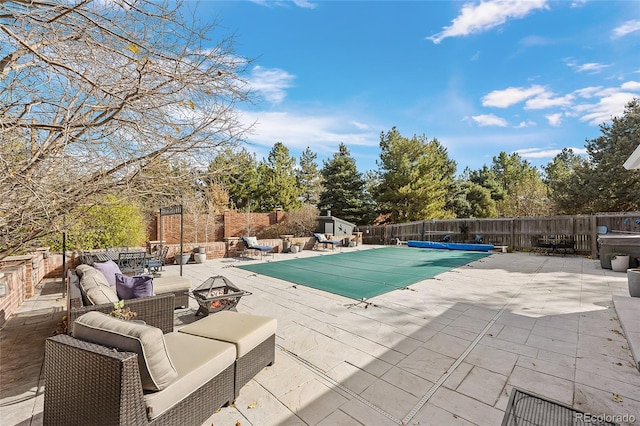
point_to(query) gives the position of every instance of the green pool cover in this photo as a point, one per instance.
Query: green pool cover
(366, 273)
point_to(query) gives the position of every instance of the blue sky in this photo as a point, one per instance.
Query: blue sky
(531, 76)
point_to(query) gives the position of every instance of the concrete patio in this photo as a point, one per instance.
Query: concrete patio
(445, 351)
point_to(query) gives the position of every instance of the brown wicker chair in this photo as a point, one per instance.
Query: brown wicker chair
(90, 384)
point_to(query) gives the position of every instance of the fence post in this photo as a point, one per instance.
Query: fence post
(594, 237)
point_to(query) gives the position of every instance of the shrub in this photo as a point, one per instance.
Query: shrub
(112, 223)
(299, 223)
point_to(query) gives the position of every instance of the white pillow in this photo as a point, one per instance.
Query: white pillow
(321, 238)
(252, 241)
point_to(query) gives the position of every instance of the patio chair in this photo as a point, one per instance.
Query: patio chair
(156, 263)
(251, 243)
(132, 262)
(322, 239)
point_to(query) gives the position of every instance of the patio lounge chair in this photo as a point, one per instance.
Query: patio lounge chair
(251, 243)
(322, 239)
(156, 263)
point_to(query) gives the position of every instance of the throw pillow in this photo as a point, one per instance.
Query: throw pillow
(109, 269)
(252, 241)
(156, 368)
(321, 237)
(134, 287)
(82, 268)
(101, 294)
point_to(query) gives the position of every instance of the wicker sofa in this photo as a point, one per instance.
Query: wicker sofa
(155, 310)
(87, 382)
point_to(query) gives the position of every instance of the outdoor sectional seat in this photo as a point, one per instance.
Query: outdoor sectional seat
(253, 336)
(169, 293)
(150, 378)
(154, 310)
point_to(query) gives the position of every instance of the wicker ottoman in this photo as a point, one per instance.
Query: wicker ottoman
(179, 286)
(254, 337)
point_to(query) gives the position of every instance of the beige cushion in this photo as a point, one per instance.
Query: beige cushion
(80, 269)
(95, 287)
(101, 294)
(244, 330)
(197, 360)
(169, 284)
(156, 368)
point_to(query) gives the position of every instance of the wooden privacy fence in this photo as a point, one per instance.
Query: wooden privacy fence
(517, 233)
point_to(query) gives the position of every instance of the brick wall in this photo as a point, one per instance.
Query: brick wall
(13, 277)
(202, 229)
(21, 275)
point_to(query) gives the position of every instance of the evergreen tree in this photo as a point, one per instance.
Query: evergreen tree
(480, 202)
(236, 172)
(415, 177)
(344, 189)
(278, 183)
(526, 193)
(610, 186)
(486, 178)
(564, 184)
(309, 179)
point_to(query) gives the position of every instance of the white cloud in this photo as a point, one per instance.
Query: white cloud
(611, 104)
(554, 119)
(481, 17)
(524, 124)
(546, 153)
(591, 67)
(631, 85)
(322, 133)
(510, 96)
(588, 92)
(300, 3)
(271, 83)
(546, 100)
(489, 120)
(627, 27)
(304, 4)
(361, 126)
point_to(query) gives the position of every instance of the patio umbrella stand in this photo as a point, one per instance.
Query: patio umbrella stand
(217, 294)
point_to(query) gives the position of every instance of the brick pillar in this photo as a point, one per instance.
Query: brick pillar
(279, 214)
(226, 222)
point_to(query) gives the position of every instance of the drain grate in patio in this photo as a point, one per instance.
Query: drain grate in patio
(528, 409)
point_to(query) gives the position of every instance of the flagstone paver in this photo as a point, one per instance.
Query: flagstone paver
(447, 350)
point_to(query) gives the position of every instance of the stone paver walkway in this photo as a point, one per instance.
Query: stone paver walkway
(447, 350)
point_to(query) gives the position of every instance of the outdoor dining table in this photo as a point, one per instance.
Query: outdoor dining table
(105, 256)
(123, 263)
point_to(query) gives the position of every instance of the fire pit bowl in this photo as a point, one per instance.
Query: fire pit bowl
(217, 294)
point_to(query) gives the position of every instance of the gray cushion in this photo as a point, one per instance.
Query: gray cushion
(101, 294)
(96, 288)
(197, 360)
(244, 330)
(156, 369)
(80, 269)
(170, 284)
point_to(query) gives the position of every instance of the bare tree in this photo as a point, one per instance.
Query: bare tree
(94, 93)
